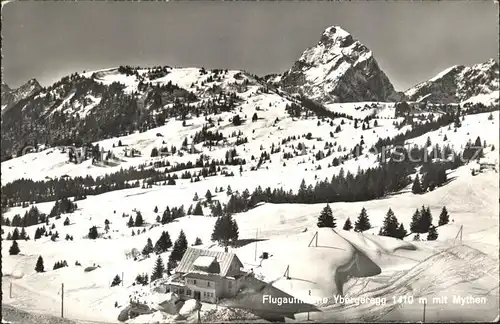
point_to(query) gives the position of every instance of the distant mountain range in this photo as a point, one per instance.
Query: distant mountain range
(114, 101)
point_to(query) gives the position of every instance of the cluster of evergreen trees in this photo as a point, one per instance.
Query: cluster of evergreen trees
(138, 222)
(63, 206)
(60, 264)
(391, 227)
(16, 235)
(421, 222)
(31, 217)
(142, 279)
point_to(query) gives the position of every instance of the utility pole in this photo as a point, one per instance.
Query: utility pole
(62, 300)
(423, 320)
(461, 231)
(122, 278)
(256, 233)
(10, 290)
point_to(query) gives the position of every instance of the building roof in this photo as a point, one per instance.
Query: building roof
(204, 261)
(224, 259)
(202, 275)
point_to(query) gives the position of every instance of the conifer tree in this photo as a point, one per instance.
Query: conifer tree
(156, 209)
(208, 196)
(116, 281)
(39, 264)
(347, 225)
(14, 248)
(163, 243)
(139, 221)
(426, 220)
(417, 187)
(167, 216)
(158, 269)
(130, 222)
(362, 223)
(198, 241)
(401, 231)
(38, 234)
(390, 226)
(148, 248)
(180, 247)
(217, 209)
(195, 198)
(433, 234)
(415, 225)
(326, 219)
(93, 234)
(198, 210)
(225, 230)
(66, 222)
(444, 218)
(15, 234)
(23, 234)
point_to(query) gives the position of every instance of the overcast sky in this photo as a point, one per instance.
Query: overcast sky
(412, 41)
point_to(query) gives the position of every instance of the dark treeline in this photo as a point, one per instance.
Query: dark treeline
(27, 190)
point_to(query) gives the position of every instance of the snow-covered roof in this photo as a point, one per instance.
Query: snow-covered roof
(204, 261)
(224, 259)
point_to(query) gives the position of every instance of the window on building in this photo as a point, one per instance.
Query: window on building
(194, 281)
(188, 292)
(181, 291)
(208, 283)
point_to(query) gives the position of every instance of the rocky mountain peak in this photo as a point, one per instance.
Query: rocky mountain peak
(339, 69)
(12, 96)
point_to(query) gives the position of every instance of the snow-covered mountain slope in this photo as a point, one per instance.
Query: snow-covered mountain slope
(10, 97)
(404, 268)
(338, 69)
(477, 83)
(94, 105)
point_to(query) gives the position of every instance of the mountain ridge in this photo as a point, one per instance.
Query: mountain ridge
(458, 83)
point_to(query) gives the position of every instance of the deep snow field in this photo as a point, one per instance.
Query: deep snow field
(355, 264)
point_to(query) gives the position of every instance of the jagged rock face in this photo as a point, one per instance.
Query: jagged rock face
(10, 97)
(339, 69)
(458, 84)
